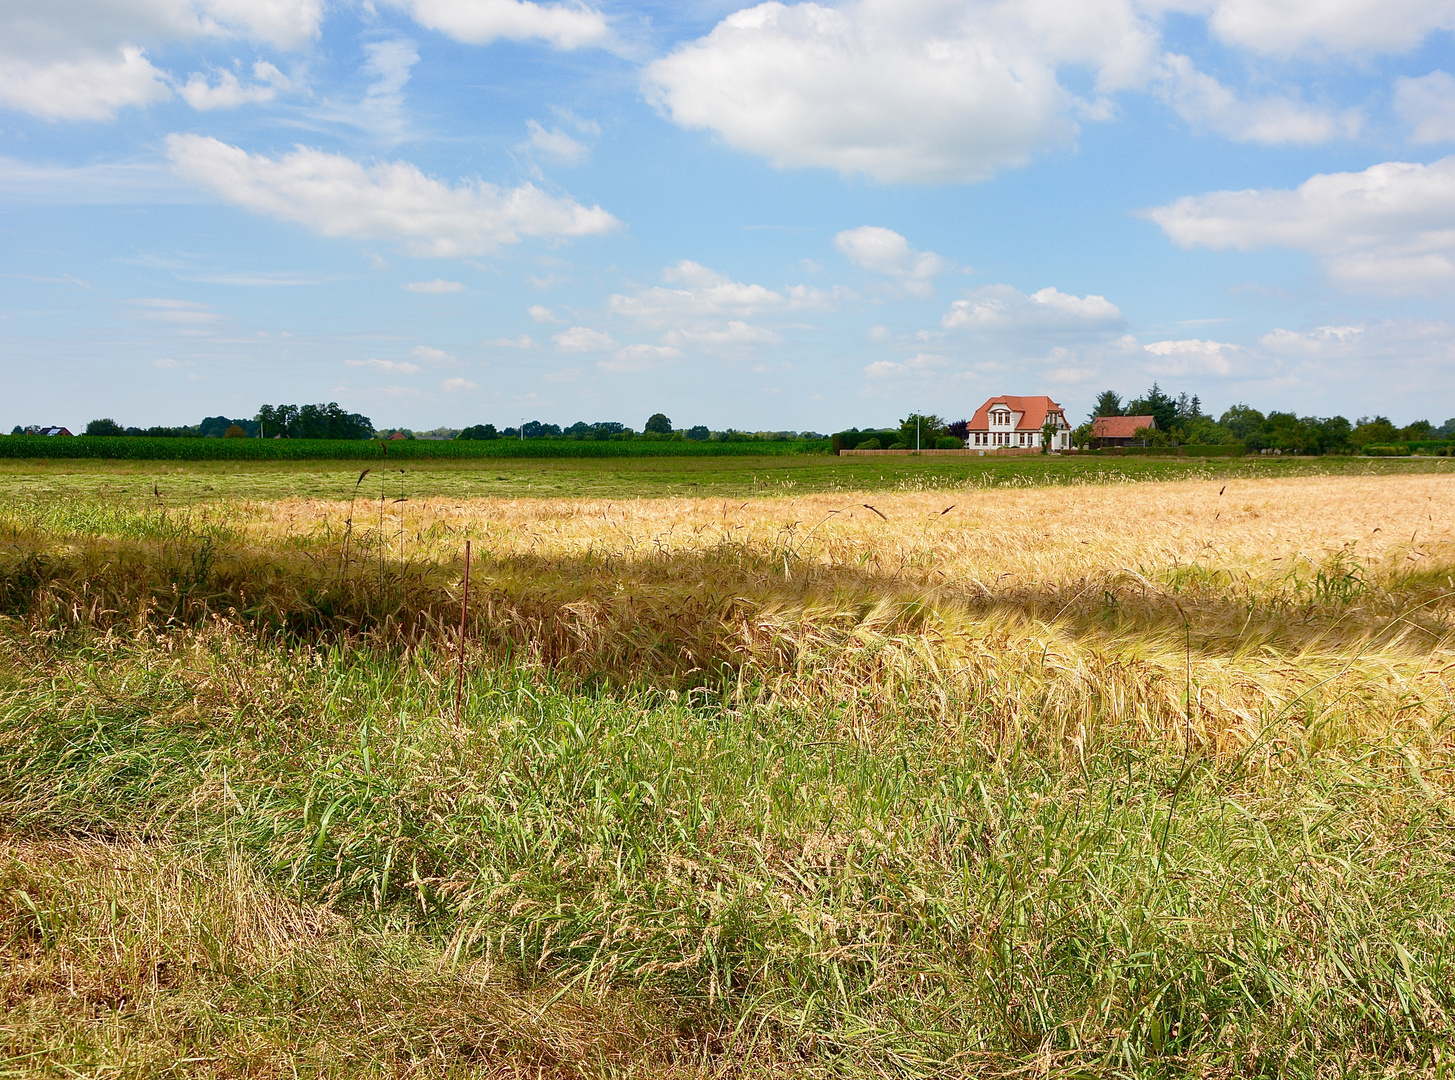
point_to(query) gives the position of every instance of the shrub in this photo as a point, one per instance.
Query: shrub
(898, 446)
(949, 442)
(869, 444)
(235, 432)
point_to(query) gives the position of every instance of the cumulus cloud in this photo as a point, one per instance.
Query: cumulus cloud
(702, 293)
(438, 285)
(479, 22)
(85, 59)
(884, 251)
(1003, 308)
(1389, 228)
(1206, 103)
(583, 339)
(1350, 26)
(338, 197)
(640, 358)
(457, 384)
(1427, 105)
(401, 366)
(86, 88)
(229, 92)
(1192, 356)
(901, 92)
(736, 332)
(523, 341)
(542, 314)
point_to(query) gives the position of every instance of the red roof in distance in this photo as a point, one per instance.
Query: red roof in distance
(1120, 427)
(1033, 411)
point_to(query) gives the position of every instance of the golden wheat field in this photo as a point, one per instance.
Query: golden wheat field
(1278, 593)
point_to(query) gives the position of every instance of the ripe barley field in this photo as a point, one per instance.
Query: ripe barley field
(1097, 779)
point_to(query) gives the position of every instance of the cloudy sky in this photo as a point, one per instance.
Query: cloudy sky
(789, 215)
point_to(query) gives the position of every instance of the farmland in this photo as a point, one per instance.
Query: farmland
(821, 768)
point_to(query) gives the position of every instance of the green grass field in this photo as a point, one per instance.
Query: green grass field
(726, 477)
(1032, 770)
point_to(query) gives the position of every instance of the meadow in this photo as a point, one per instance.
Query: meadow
(911, 769)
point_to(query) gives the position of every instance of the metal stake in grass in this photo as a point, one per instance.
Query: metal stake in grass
(460, 663)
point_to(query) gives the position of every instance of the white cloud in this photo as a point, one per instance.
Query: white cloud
(524, 341)
(1204, 102)
(1389, 228)
(736, 332)
(85, 59)
(582, 339)
(909, 91)
(706, 294)
(1284, 27)
(554, 145)
(229, 92)
(1427, 105)
(640, 358)
(884, 251)
(438, 285)
(921, 364)
(90, 87)
(1377, 366)
(166, 363)
(455, 385)
(542, 314)
(479, 22)
(335, 196)
(401, 366)
(1192, 356)
(434, 357)
(1003, 308)
(1321, 340)
(391, 63)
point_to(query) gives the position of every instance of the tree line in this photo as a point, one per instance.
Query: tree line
(1180, 421)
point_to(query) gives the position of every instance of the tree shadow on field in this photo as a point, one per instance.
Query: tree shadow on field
(678, 617)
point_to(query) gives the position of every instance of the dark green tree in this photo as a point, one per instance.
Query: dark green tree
(1108, 403)
(698, 433)
(926, 428)
(1376, 432)
(106, 427)
(1157, 404)
(658, 424)
(1243, 421)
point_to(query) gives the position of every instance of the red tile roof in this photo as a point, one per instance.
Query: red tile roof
(1033, 412)
(1120, 427)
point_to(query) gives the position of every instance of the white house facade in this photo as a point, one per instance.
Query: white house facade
(1010, 422)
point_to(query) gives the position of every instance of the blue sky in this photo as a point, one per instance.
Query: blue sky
(806, 216)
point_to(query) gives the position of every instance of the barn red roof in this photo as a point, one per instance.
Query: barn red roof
(1120, 427)
(1033, 411)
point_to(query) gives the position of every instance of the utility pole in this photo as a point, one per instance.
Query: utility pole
(916, 434)
(522, 429)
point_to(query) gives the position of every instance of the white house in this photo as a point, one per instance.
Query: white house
(1008, 421)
